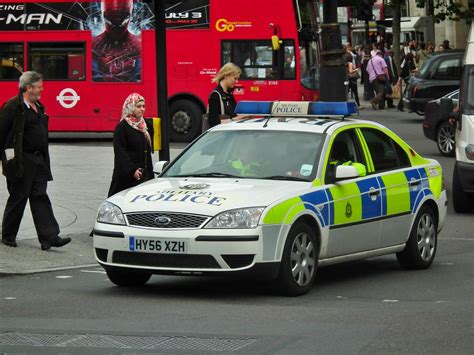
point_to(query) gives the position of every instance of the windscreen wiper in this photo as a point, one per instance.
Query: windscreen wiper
(284, 177)
(213, 174)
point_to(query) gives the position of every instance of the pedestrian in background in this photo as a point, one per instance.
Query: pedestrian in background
(26, 163)
(408, 67)
(353, 74)
(421, 55)
(378, 75)
(221, 100)
(132, 146)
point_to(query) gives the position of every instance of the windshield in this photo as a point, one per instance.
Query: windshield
(273, 155)
(308, 43)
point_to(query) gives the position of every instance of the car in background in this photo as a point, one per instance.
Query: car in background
(440, 75)
(296, 186)
(436, 126)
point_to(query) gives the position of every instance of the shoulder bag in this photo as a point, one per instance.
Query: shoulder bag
(379, 77)
(205, 117)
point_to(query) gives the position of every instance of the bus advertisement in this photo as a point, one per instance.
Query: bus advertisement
(93, 54)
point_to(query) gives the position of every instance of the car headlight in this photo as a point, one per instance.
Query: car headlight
(470, 151)
(110, 213)
(241, 218)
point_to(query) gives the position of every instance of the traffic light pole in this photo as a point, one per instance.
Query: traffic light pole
(333, 64)
(162, 80)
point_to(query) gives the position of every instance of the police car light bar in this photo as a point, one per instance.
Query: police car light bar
(296, 108)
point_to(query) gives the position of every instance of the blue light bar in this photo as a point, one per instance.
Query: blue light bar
(254, 108)
(332, 108)
(295, 108)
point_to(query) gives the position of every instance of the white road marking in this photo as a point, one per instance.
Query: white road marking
(390, 301)
(94, 271)
(10, 298)
(63, 277)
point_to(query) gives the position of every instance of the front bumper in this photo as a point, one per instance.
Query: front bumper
(208, 251)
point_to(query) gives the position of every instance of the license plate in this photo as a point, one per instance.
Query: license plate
(168, 246)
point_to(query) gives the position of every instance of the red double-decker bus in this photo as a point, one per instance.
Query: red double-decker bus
(94, 53)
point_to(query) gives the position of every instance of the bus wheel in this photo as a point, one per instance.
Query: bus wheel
(185, 121)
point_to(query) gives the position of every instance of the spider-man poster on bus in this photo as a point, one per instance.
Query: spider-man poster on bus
(115, 25)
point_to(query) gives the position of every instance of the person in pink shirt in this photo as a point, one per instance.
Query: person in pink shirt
(378, 74)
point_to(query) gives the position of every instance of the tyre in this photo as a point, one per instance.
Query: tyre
(445, 139)
(462, 202)
(420, 248)
(128, 278)
(185, 121)
(299, 261)
(419, 112)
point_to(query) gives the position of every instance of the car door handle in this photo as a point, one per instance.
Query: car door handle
(414, 183)
(374, 193)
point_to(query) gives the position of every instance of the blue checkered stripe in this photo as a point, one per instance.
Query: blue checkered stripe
(321, 201)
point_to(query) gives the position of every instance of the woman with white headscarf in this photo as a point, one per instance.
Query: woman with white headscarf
(132, 146)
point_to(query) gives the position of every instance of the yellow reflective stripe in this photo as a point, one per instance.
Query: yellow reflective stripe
(317, 182)
(156, 133)
(365, 148)
(435, 181)
(397, 193)
(277, 214)
(347, 203)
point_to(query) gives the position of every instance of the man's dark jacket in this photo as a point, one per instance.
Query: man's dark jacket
(12, 124)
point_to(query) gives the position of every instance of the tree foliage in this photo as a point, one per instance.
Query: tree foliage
(448, 10)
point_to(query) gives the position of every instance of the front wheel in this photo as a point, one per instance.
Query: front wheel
(445, 139)
(420, 248)
(185, 121)
(299, 261)
(128, 278)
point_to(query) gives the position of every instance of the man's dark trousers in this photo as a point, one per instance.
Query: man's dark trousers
(33, 187)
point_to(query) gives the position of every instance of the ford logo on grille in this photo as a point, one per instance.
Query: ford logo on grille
(162, 220)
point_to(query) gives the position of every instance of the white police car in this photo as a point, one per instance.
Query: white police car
(278, 195)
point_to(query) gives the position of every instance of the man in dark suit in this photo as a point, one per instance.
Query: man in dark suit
(26, 165)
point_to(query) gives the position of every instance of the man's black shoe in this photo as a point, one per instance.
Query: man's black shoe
(58, 242)
(9, 243)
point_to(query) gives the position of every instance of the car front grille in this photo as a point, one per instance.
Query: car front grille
(187, 261)
(165, 220)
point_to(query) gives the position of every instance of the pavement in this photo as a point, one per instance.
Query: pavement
(82, 172)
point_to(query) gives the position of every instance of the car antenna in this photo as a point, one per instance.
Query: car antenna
(270, 116)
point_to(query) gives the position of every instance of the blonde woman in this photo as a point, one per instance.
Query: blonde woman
(221, 100)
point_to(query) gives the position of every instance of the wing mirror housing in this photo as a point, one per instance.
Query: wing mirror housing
(344, 172)
(160, 166)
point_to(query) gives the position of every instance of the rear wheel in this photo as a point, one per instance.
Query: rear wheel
(128, 278)
(420, 249)
(185, 121)
(445, 139)
(462, 202)
(299, 261)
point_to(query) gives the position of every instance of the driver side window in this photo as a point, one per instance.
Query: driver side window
(345, 149)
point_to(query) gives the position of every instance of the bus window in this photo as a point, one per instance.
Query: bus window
(58, 61)
(11, 56)
(258, 60)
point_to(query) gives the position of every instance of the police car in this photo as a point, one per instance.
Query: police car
(296, 186)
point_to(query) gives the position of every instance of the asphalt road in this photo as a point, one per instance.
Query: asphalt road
(370, 306)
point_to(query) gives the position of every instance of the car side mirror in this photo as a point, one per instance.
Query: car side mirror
(160, 166)
(344, 172)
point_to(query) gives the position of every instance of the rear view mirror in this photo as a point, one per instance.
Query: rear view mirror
(160, 166)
